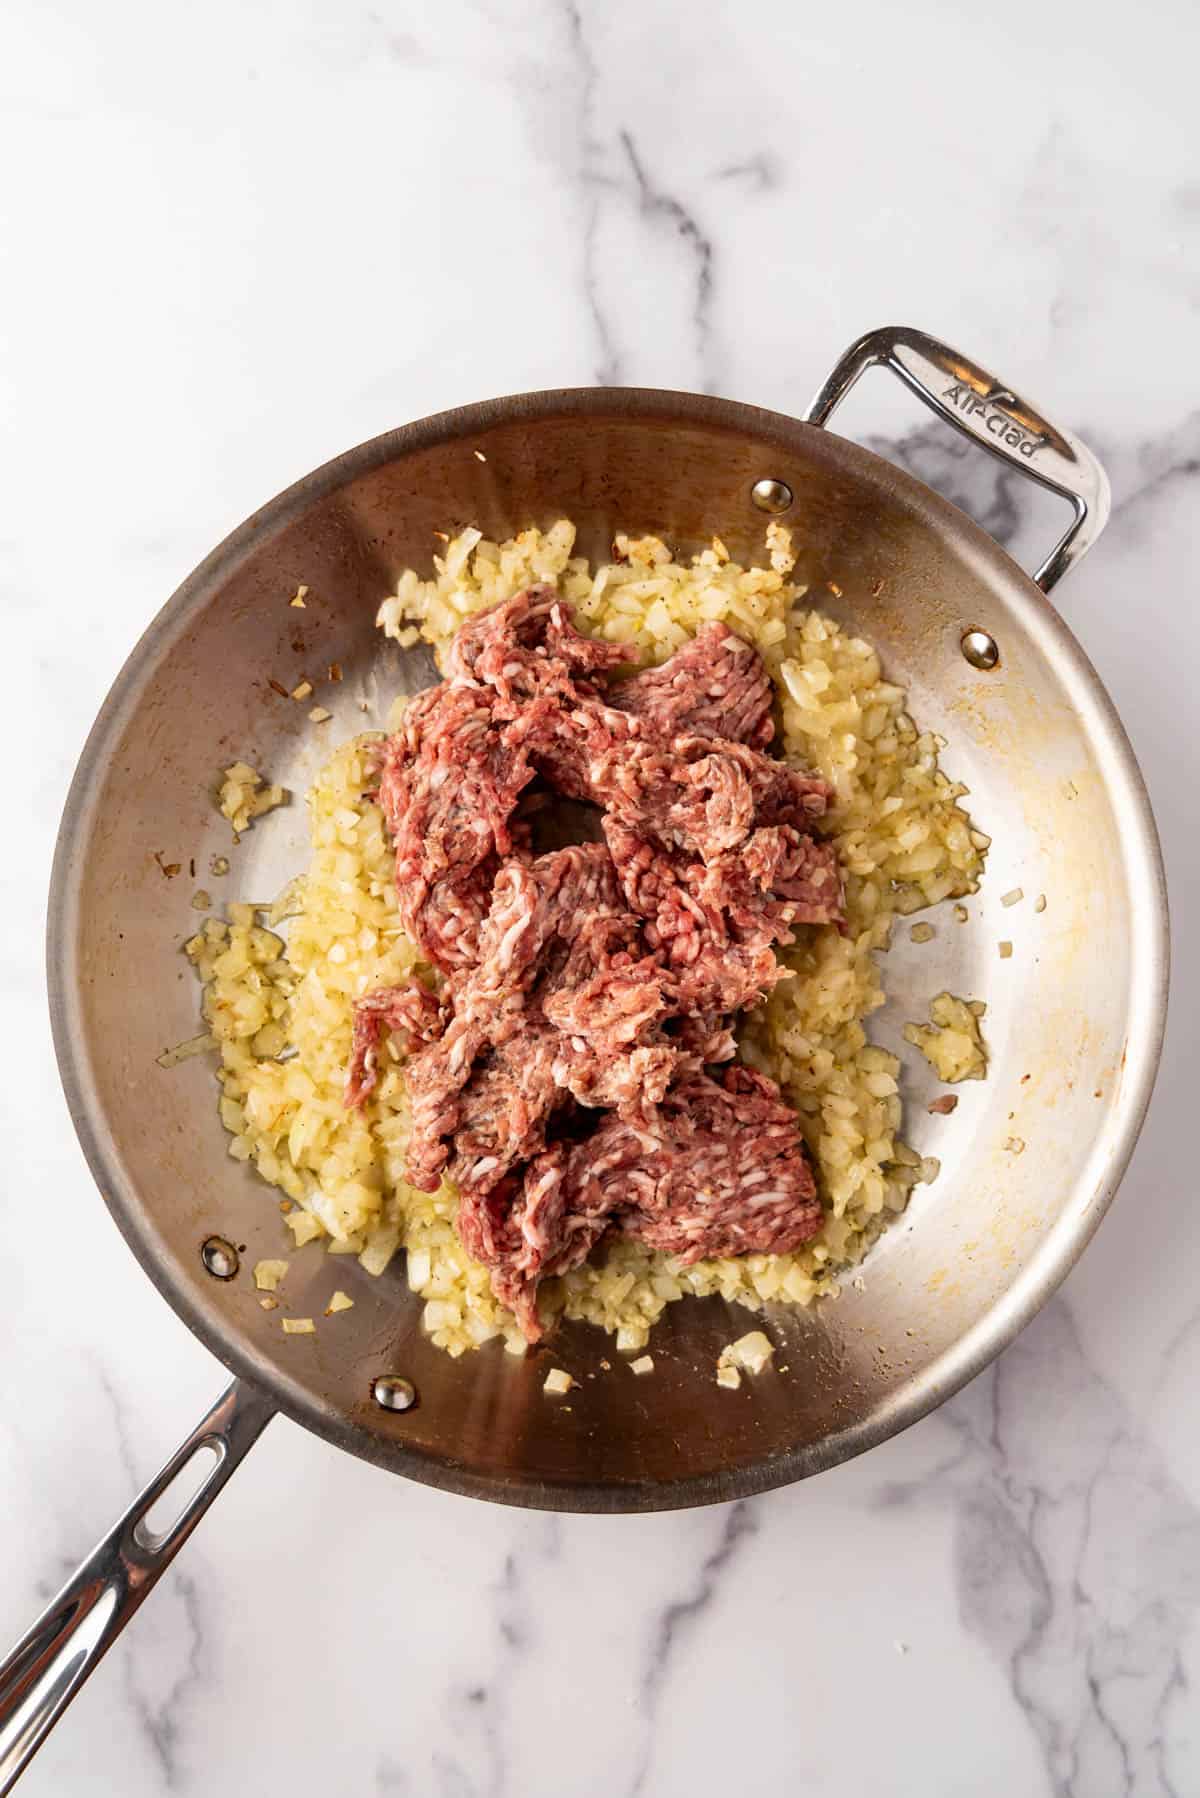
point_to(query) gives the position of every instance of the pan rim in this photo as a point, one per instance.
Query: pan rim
(1094, 1190)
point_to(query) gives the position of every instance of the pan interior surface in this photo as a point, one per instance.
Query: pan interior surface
(1074, 1016)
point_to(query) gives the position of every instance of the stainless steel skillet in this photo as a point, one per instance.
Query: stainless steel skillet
(1075, 1016)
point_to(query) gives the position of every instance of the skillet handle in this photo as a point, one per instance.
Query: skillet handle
(50, 1663)
(990, 414)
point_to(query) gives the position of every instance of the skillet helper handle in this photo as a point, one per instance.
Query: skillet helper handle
(50, 1663)
(992, 415)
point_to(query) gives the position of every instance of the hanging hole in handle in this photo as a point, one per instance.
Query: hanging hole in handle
(882, 415)
(159, 1522)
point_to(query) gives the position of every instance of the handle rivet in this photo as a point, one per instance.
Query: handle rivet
(392, 1392)
(771, 496)
(220, 1258)
(980, 649)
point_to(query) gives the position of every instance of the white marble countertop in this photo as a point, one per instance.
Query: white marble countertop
(239, 239)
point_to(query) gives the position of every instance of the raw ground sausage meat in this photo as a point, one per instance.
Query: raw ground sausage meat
(567, 1077)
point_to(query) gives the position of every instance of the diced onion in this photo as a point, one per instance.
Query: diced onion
(751, 1351)
(195, 1045)
(303, 1226)
(381, 1246)
(951, 1043)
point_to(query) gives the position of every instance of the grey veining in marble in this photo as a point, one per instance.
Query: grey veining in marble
(1077, 1560)
(232, 243)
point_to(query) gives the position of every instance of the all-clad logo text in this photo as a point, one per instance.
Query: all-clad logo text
(999, 424)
